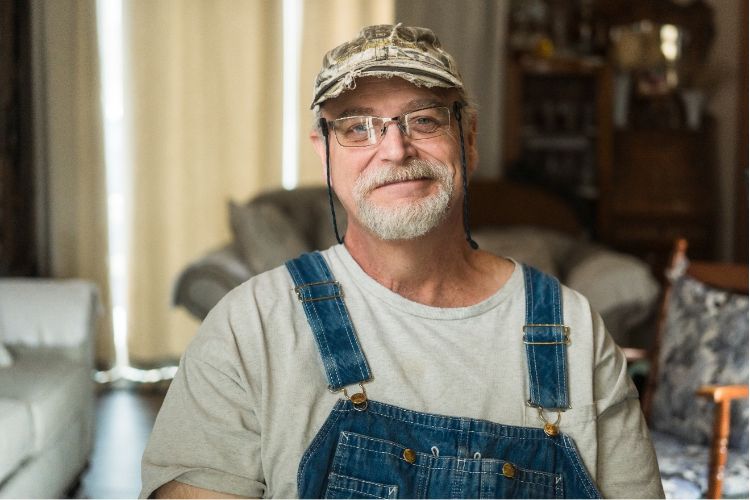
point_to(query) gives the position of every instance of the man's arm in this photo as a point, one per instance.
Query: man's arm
(176, 489)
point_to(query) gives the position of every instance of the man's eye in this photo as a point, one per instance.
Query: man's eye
(358, 128)
(424, 123)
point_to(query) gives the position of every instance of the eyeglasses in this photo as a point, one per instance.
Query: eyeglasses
(361, 131)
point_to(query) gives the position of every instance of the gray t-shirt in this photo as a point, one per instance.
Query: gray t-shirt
(251, 392)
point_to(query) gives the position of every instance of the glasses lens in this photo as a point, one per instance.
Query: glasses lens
(357, 130)
(426, 123)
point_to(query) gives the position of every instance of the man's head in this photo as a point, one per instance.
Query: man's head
(400, 183)
(385, 51)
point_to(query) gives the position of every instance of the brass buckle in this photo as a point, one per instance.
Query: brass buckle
(358, 399)
(338, 294)
(550, 429)
(565, 329)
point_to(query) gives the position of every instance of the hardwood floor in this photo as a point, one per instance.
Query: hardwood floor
(124, 418)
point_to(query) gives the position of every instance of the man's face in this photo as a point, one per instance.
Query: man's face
(400, 188)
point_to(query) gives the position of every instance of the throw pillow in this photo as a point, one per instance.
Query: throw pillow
(705, 342)
(266, 237)
(619, 287)
(5, 357)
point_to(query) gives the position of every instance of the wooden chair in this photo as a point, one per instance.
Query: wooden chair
(715, 278)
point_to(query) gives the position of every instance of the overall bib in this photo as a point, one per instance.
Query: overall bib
(367, 449)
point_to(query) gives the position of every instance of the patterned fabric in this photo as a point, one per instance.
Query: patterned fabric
(684, 469)
(705, 342)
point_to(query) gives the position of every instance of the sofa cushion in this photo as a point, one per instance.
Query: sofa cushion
(39, 312)
(265, 235)
(15, 435)
(619, 287)
(54, 389)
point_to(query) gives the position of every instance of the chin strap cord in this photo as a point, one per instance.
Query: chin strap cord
(324, 129)
(457, 112)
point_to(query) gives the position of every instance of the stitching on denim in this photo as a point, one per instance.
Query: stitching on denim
(379, 485)
(559, 493)
(562, 390)
(535, 390)
(314, 306)
(320, 437)
(318, 330)
(328, 359)
(352, 337)
(459, 469)
(346, 321)
(391, 488)
(340, 488)
(582, 475)
(483, 433)
(461, 461)
(371, 409)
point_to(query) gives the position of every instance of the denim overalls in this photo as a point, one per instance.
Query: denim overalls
(368, 449)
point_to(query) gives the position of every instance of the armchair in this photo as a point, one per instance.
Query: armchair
(699, 367)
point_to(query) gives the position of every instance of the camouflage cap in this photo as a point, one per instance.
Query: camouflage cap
(383, 51)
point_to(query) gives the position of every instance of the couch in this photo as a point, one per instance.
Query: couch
(519, 221)
(46, 389)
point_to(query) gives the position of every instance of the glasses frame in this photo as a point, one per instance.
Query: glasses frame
(400, 121)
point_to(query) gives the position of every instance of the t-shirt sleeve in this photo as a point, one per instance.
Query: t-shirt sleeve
(207, 433)
(626, 461)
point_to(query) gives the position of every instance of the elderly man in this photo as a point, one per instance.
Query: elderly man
(403, 362)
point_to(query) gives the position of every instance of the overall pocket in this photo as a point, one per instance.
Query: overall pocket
(351, 487)
(366, 467)
(501, 479)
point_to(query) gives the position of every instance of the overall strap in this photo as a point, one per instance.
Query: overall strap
(546, 339)
(322, 300)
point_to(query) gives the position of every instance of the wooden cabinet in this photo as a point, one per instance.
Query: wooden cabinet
(635, 189)
(662, 187)
(558, 129)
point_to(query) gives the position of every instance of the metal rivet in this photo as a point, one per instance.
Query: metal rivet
(509, 470)
(358, 399)
(409, 455)
(551, 430)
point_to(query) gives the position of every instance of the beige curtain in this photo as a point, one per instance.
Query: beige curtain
(204, 121)
(205, 111)
(69, 147)
(328, 23)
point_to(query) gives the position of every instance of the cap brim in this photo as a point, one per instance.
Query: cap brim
(417, 76)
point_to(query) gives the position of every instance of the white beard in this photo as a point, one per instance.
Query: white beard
(408, 220)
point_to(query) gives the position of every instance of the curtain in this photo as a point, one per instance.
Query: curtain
(69, 147)
(204, 82)
(204, 128)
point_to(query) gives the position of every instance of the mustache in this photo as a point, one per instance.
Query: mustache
(414, 169)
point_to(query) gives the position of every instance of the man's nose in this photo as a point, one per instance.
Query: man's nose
(396, 144)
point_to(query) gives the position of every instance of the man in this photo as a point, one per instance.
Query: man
(404, 362)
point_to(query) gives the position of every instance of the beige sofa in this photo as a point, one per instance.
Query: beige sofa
(46, 389)
(279, 225)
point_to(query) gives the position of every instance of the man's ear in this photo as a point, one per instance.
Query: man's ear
(470, 143)
(318, 142)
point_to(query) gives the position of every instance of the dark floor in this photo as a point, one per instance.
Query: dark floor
(124, 418)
